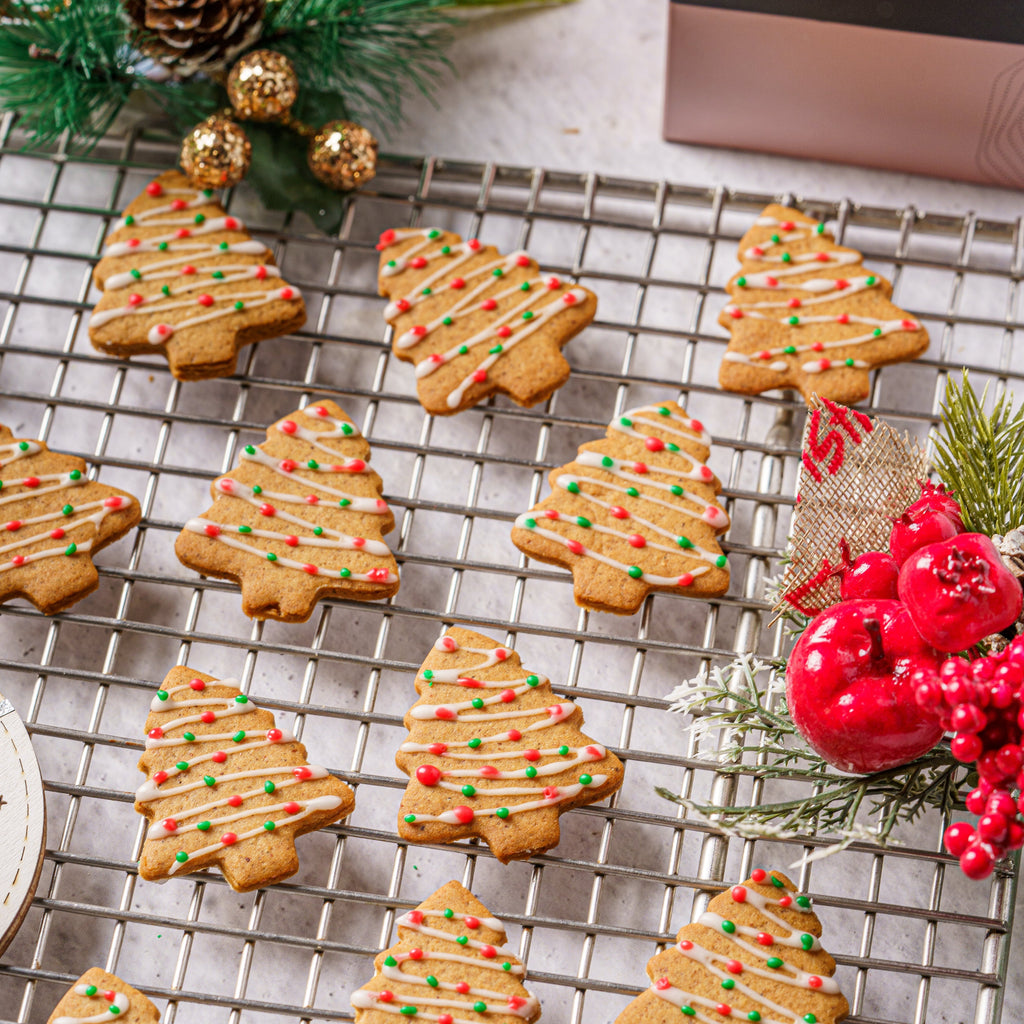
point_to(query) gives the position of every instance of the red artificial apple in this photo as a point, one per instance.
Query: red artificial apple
(915, 529)
(850, 691)
(959, 591)
(873, 574)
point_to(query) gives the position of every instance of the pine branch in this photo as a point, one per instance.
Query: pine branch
(742, 708)
(980, 457)
(66, 69)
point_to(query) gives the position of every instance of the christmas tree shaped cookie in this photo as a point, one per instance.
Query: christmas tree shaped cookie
(53, 519)
(492, 752)
(754, 955)
(226, 787)
(632, 513)
(450, 965)
(299, 519)
(180, 276)
(476, 322)
(101, 997)
(805, 314)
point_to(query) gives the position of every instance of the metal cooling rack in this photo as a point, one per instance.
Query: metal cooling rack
(914, 940)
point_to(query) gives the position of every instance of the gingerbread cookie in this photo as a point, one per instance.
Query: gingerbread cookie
(805, 314)
(226, 787)
(299, 519)
(476, 322)
(180, 276)
(632, 513)
(99, 998)
(754, 955)
(503, 765)
(56, 520)
(450, 964)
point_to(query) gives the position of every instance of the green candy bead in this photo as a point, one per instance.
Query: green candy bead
(181, 856)
(532, 680)
(269, 826)
(774, 962)
(635, 571)
(469, 790)
(462, 940)
(530, 524)
(480, 1007)
(728, 984)
(807, 941)
(586, 780)
(432, 981)
(572, 487)
(531, 772)
(608, 462)
(502, 812)
(689, 1011)
(162, 695)
(474, 743)
(633, 492)
(409, 819)
(91, 990)
(239, 736)
(721, 561)
(390, 961)
(728, 927)
(449, 913)
(477, 702)
(189, 737)
(803, 901)
(563, 750)
(182, 766)
(269, 787)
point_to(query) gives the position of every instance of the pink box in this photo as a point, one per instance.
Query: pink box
(924, 101)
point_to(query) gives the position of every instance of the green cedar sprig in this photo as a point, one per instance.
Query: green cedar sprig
(980, 457)
(742, 706)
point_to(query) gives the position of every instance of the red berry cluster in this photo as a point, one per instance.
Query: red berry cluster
(982, 703)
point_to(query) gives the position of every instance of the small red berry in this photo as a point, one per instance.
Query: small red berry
(958, 837)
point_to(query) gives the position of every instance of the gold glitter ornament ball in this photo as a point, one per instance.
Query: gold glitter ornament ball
(216, 153)
(343, 155)
(263, 86)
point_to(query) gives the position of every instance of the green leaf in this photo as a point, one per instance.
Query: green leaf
(281, 176)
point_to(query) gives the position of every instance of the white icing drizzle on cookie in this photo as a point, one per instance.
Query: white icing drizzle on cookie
(732, 971)
(518, 313)
(198, 711)
(219, 299)
(812, 292)
(643, 532)
(308, 536)
(117, 1004)
(57, 525)
(440, 994)
(432, 775)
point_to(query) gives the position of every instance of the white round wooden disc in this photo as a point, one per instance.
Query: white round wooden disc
(22, 822)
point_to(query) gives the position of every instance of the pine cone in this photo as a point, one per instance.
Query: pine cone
(197, 35)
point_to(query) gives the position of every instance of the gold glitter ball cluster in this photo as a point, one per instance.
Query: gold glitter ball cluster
(343, 155)
(216, 153)
(263, 86)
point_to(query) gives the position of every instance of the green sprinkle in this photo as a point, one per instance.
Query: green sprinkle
(207, 192)
(449, 913)
(409, 819)
(218, 275)
(583, 521)
(182, 766)
(849, 362)
(90, 990)
(447, 321)
(753, 1015)
(876, 332)
(165, 289)
(75, 474)
(803, 901)
(271, 557)
(807, 941)
(777, 882)
(161, 694)
(245, 529)
(462, 940)
(585, 779)
(506, 966)
(347, 428)
(241, 699)
(480, 1007)
(676, 490)
(433, 233)
(502, 812)
(497, 272)
(23, 446)
(790, 350)
(268, 786)
(635, 571)
(728, 983)
(474, 743)
(210, 781)
(200, 217)
(256, 489)
(632, 492)
(793, 321)
(269, 826)
(223, 245)
(409, 1011)
(477, 702)
(344, 573)
(68, 509)
(428, 673)
(432, 981)
(728, 927)
(672, 447)
(392, 263)
(345, 502)
(774, 962)
(820, 229)
(531, 772)
(312, 464)
(446, 250)
(70, 549)
(721, 561)
(530, 524)
(181, 856)
(128, 222)
(189, 737)
(776, 239)
(239, 304)
(463, 349)
(870, 280)
(239, 736)
(528, 315)
(426, 291)
(532, 680)
(162, 246)
(809, 1018)
(525, 286)
(663, 411)
(563, 750)
(390, 962)
(494, 351)
(250, 450)
(625, 422)
(607, 461)
(468, 790)
(786, 258)
(684, 542)
(137, 274)
(572, 487)
(689, 1011)
(741, 282)
(318, 531)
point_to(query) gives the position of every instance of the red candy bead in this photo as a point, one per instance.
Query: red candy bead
(618, 512)
(415, 954)
(438, 748)
(662, 984)
(211, 530)
(814, 981)
(488, 952)
(170, 824)
(514, 734)
(229, 838)
(636, 540)
(685, 944)
(292, 807)
(415, 917)
(758, 875)
(734, 966)
(275, 735)
(765, 939)
(739, 893)
(260, 273)
(154, 189)
(463, 815)
(156, 734)
(500, 653)
(428, 775)
(385, 996)
(230, 223)
(444, 713)
(234, 801)
(531, 755)
(472, 922)
(218, 757)
(574, 546)
(507, 696)
(462, 987)
(654, 444)
(479, 376)
(302, 772)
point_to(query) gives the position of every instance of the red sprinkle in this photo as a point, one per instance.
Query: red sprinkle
(550, 513)
(794, 303)
(56, 534)
(462, 987)
(218, 757)
(640, 467)
(488, 304)
(574, 546)
(358, 542)
(488, 952)
(507, 696)
(445, 714)
(515, 735)
(449, 644)
(618, 512)
(235, 800)
(302, 772)
(553, 283)
(724, 1009)
(843, 318)
(114, 502)
(637, 540)
(156, 734)
(739, 893)
(550, 792)
(757, 250)
(163, 330)
(178, 204)
(208, 717)
(14, 524)
(463, 814)
(31, 481)
(522, 260)
(787, 225)
(736, 314)
(416, 917)
(312, 499)
(686, 580)
(594, 753)
(908, 325)
(500, 653)
(132, 242)
(685, 944)
(663, 983)
(292, 807)
(135, 299)
(764, 354)
(438, 748)
(310, 568)
(437, 358)
(654, 444)
(288, 465)
(473, 244)
(230, 223)
(569, 299)
(771, 282)
(504, 331)
(229, 838)
(211, 530)
(824, 364)
(170, 824)
(785, 901)
(260, 272)
(531, 755)
(182, 233)
(292, 541)
(385, 996)
(489, 771)
(419, 330)
(457, 283)
(160, 777)
(110, 995)
(814, 981)
(822, 257)
(428, 775)
(188, 269)
(765, 939)
(818, 347)
(275, 735)
(706, 473)
(386, 238)
(286, 293)
(417, 263)
(841, 283)
(472, 922)
(445, 1018)
(734, 966)
(479, 376)
(266, 509)
(415, 954)
(402, 305)
(154, 189)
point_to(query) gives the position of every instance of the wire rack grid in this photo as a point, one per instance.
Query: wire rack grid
(914, 940)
